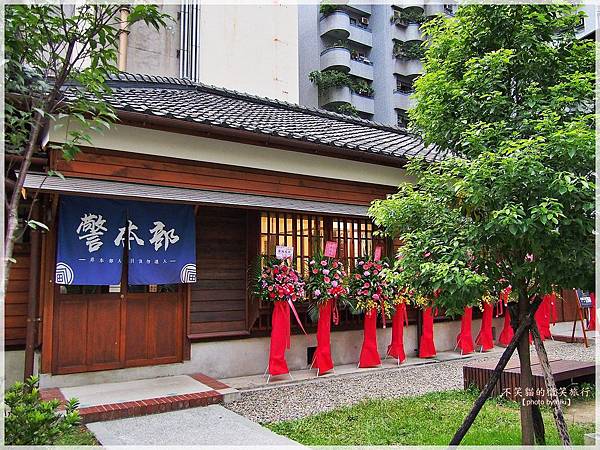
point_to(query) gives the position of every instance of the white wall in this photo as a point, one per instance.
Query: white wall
(154, 52)
(251, 48)
(14, 365)
(160, 143)
(241, 357)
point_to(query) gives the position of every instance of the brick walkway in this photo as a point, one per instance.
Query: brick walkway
(110, 401)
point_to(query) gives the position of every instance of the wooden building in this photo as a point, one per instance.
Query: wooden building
(258, 172)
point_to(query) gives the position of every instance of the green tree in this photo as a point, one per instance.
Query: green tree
(508, 95)
(30, 421)
(47, 47)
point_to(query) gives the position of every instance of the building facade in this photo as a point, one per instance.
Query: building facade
(249, 48)
(296, 177)
(270, 50)
(377, 46)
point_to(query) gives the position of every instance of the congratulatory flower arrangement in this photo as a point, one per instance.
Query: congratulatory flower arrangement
(326, 279)
(278, 281)
(370, 289)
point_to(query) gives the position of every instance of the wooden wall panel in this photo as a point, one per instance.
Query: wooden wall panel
(17, 295)
(120, 166)
(566, 308)
(218, 298)
(71, 329)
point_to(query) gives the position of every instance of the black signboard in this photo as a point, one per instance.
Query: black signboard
(585, 300)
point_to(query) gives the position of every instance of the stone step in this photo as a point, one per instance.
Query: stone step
(111, 401)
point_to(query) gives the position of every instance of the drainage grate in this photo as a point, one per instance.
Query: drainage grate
(310, 352)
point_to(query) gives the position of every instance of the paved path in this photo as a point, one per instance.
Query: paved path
(273, 403)
(211, 425)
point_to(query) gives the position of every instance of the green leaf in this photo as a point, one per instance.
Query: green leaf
(34, 224)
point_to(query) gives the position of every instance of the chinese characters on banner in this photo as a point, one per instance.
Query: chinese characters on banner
(168, 252)
(85, 252)
(93, 235)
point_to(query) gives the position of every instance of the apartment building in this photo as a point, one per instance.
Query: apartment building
(365, 57)
(243, 47)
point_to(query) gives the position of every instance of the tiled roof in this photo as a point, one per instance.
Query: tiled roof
(195, 102)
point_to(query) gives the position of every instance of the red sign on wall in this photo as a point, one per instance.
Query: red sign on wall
(330, 249)
(377, 255)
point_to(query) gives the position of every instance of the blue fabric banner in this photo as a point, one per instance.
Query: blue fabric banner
(162, 243)
(86, 253)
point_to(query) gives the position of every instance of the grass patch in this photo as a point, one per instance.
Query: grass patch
(78, 436)
(430, 419)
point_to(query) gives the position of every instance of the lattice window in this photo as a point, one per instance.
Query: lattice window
(354, 238)
(307, 233)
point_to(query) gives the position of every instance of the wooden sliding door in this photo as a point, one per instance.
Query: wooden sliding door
(218, 298)
(95, 329)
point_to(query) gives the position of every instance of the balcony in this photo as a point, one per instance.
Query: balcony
(336, 96)
(410, 32)
(360, 35)
(337, 58)
(361, 69)
(432, 10)
(403, 100)
(335, 25)
(364, 9)
(408, 66)
(416, 5)
(363, 104)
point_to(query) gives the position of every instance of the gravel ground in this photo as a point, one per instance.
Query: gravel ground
(317, 395)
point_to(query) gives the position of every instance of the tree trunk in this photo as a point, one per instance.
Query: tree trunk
(522, 329)
(12, 221)
(551, 391)
(37, 127)
(538, 425)
(527, 430)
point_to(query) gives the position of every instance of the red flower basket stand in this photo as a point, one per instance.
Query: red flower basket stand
(427, 345)
(396, 347)
(322, 360)
(280, 339)
(464, 340)
(485, 339)
(369, 355)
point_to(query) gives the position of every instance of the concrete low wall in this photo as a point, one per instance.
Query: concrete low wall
(14, 366)
(239, 357)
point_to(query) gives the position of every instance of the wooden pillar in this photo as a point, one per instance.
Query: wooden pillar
(32, 303)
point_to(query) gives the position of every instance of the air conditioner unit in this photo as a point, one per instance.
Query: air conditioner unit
(364, 20)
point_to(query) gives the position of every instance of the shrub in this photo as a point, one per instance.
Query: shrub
(328, 79)
(30, 421)
(327, 8)
(409, 50)
(361, 87)
(406, 16)
(334, 78)
(347, 109)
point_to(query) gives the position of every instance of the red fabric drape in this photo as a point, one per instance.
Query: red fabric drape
(553, 313)
(464, 340)
(542, 317)
(485, 338)
(507, 331)
(369, 355)
(322, 359)
(592, 324)
(280, 338)
(396, 348)
(427, 345)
